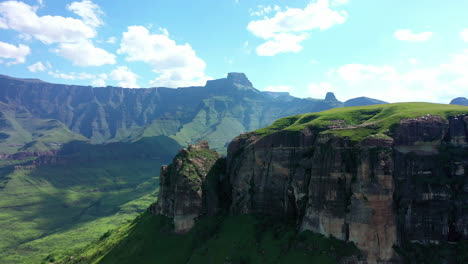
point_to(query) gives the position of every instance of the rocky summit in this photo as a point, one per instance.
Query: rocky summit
(459, 101)
(385, 177)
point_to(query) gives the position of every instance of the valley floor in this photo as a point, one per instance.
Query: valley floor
(63, 207)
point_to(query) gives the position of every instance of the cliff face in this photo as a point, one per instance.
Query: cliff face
(377, 192)
(328, 184)
(381, 176)
(431, 182)
(181, 195)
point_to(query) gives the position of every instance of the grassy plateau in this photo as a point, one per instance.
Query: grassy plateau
(360, 122)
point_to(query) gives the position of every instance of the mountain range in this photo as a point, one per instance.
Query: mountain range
(32, 110)
(77, 161)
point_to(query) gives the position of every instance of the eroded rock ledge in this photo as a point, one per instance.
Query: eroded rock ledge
(181, 185)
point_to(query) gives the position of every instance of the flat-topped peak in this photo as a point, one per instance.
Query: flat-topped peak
(239, 78)
(330, 97)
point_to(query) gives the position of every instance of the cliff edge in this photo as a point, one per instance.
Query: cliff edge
(382, 177)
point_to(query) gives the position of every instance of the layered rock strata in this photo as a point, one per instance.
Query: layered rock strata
(378, 192)
(181, 185)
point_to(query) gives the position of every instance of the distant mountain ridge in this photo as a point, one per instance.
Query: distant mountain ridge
(363, 101)
(217, 112)
(460, 101)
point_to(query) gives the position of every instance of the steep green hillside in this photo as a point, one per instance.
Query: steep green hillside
(84, 192)
(362, 121)
(21, 131)
(234, 239)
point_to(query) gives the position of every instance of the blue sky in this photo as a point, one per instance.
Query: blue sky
(392, 50)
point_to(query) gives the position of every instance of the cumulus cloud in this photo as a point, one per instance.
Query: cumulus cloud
(263, 10)
(464, 35)
(88, 11)
(111, 40)
(22, 17)
(37, 67)
(359, 72)
(177, 65)
(14, 54)
(319, 90)
(285, 31)
(72, 35)
(410, 36)
(84, 53)
(100, 81)
(125, 77)
(72, 75)
(439, 83)
(278, 88)
(281, 43)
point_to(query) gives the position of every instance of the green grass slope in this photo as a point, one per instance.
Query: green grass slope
(68, 204)
(233, 239)
(362, 121)
(20, 131)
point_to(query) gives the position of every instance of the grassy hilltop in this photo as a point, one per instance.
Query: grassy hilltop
(362, 121)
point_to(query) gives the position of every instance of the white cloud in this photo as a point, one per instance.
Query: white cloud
(84, 53)
(14, 54)
(339, 2)
(319, 90)
(100, 81)
(71, 75)
(313, 61)
(37, 67)
(408, 35)
(281, 43)
(413, 61)
(22, 17)
(73, 35)
(439, 83)
(111, 40)
(164, 31)
(464, 35)
(278, 88)
(263, 10)
(177, 65)
(287, 29)
(125, 77)
(359, 72)
(88, 11)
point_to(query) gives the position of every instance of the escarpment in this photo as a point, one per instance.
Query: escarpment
(328, 184)
(382, 177)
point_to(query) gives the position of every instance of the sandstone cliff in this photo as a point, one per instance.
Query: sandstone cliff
(379, 176)
(182, 183)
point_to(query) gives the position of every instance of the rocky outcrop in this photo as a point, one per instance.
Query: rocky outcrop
(330, 185)
(381, 192)
(181, 195)
(377, 193)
